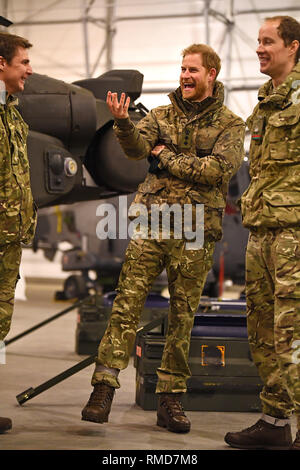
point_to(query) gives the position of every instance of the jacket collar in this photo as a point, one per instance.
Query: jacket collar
(194, 109)
(10, 100)
(280, 96)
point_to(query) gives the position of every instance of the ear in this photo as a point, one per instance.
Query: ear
(2, 63)
(212, 74)
(294, 46)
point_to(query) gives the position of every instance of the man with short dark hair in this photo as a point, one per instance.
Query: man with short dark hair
(17, 212)
(194, 146)
(271, 210)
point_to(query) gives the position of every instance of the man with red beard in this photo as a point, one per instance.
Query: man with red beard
(194, 146)
(271, 210)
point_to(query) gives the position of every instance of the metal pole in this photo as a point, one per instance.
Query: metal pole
(101, 20)
(229, 46)
(4, 8)
(4, 11)
(44, 322)
(33, 392)
(110, 31)
(85, 38)
(206, 19)
(267, 10)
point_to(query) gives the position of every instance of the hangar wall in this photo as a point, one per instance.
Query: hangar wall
(74, 39)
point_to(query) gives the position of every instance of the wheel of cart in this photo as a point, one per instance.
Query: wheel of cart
(75, 286)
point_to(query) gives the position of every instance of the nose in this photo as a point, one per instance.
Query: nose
(29, 70)
(185, 73)
(259, 48)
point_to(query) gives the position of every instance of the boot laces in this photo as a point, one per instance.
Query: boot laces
(253, 427)
(101, 396)
(173, 405)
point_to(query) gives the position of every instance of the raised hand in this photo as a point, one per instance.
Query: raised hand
(119, 109)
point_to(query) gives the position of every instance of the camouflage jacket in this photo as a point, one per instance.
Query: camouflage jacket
(272, 199)
(204, 143)
(17, 212)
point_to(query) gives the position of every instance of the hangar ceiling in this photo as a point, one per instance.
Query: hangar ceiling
(75, 39)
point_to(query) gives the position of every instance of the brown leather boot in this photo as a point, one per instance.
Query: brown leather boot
(261, 435)
(5, 424)
(170, 413)
(296, 443)
(98, 407)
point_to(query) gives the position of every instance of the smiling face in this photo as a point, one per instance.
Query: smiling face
(196, 82)
(16, 72)
(275, 58)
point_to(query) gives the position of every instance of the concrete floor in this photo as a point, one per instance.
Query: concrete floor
(52, 421)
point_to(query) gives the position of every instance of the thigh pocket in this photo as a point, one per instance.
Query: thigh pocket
(143, 262)
(10, 257)
(132, 256)
(194, 267)
(287, 265)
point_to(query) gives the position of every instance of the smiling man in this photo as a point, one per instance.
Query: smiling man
(14, 71)
(271, 210)
(194, 145)
(197, 78)
(17, 213)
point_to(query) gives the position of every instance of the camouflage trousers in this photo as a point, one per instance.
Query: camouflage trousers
(144, 261)
(10, 258)
(273, 309)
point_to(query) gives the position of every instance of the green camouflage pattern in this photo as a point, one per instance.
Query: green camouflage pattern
(10, 257)
(17, 211)
(204, 150)
(271, 210)
(187, 270)
(273, 196)
(273, 312)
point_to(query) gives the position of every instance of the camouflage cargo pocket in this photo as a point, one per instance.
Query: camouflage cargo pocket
(287, 262)
(194, 268)
(284, 130)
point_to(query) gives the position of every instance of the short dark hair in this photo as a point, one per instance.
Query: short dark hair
(210, 58)
(288, 30)
(9, 44)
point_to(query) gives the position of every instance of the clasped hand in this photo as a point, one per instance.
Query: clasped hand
(157, 149)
